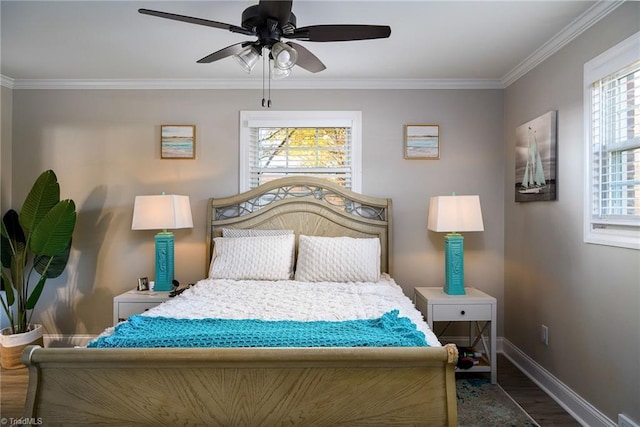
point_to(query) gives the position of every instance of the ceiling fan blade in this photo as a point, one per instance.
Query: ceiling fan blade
(341, 33)
(198, 21)
(306, 59)
(223, 53)
(277, 9)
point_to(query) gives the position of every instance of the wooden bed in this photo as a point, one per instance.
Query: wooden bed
(255, 386)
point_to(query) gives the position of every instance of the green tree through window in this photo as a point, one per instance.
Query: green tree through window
(321, 152)
(323, 144)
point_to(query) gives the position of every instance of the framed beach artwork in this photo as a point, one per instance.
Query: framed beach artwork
(178, 142)
(422, 142)
(535, 167)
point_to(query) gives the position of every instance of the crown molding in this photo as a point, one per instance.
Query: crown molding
(6, 81)
(592, 15)
(186, 84)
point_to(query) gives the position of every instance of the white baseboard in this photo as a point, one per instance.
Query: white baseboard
(583, 412)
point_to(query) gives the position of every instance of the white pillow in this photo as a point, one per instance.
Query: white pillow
(248, 232)
(253, 258)
(338, 259)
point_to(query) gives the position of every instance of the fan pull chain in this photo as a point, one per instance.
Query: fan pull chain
(269, 100)
(264, 60)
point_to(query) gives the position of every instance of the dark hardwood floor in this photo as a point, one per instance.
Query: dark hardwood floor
(543, 409)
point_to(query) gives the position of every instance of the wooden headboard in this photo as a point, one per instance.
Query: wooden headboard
(309, 206)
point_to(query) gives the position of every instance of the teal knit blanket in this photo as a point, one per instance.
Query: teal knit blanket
(145, 332)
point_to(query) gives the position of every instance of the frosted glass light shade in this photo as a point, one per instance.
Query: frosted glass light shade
(284, 56)
(277, 73)
(247, 58)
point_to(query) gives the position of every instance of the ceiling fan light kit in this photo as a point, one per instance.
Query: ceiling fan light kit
(278, 73)
(284, 56)
(270, 21)
(247, 58)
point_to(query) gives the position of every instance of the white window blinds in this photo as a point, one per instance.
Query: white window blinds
(319, 144)
(616, 148)
(612, 127)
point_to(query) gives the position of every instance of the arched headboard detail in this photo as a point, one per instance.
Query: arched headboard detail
(309, 206)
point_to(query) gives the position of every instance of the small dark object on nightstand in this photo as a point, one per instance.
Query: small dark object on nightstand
(177, 292)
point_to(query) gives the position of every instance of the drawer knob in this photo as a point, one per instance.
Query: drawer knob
(462, 313)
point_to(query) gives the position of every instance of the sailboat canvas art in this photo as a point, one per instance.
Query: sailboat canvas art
(536, 159)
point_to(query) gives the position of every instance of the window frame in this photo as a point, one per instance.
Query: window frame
(609, 62)
(249, 119)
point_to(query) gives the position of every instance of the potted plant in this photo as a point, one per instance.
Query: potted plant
(36, 240)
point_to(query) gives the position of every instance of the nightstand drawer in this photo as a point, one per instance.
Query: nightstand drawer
(136, 302)
(461, 312)
(126, 309)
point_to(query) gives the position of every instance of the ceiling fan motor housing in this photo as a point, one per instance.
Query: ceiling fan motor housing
(268, 30)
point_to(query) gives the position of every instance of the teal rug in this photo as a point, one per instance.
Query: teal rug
(482, 404)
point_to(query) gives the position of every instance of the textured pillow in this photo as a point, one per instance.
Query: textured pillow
(338, 259)
(253, 258)
(242, 232)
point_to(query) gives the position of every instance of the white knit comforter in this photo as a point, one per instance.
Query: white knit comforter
(292, 300)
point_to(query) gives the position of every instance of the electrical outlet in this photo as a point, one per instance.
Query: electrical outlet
(544, 335)
(624, 421)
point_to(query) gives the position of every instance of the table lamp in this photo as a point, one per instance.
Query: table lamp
(162, 212)
(453, 214)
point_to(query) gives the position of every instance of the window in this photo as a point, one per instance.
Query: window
(612, 129)
(324, 144)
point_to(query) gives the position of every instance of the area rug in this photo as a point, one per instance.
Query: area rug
(482, 404)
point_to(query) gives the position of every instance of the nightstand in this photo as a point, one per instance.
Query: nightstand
(475, 307)
(135, 302)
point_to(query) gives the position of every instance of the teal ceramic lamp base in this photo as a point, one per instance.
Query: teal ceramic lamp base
(164, 261)
(454, 264)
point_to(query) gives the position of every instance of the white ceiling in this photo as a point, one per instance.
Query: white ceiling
(474, 42)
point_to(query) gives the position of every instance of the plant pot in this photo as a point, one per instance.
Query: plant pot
(11, 345)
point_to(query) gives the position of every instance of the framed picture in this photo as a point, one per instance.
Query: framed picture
(143, 284)
(178, 141)
(422, 142)
(535, 167)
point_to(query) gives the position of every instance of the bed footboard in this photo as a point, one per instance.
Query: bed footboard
(245, 386)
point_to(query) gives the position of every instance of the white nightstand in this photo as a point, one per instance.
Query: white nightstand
(135, 302)
(475, 307)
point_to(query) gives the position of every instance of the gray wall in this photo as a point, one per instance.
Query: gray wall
(104, 147)
(588, 295)
(6, 107)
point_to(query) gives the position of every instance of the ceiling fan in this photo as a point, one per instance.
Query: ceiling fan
(271, 21)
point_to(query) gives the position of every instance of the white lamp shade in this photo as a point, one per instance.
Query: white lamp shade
(161, 212)
(455, 214)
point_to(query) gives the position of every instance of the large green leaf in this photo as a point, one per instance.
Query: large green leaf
(44, 195)
(8, 289)
(53, 234)
(35, 295)
(12, 240)
(53, 268)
